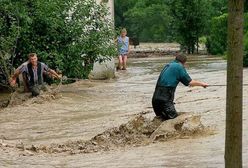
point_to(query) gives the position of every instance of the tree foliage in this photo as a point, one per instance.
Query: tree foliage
(66, 34)
(122, 7)
(190, 20)
(147, 20)
(181, 21)
(217, 39)
(246, 6)
(217, 7)
(165, 21)
(9, 34)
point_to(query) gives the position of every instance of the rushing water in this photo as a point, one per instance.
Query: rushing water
(91, 107)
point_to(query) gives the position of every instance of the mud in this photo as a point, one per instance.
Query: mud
(139, 131)
(17, 96)
(89, 125)
(20, 98)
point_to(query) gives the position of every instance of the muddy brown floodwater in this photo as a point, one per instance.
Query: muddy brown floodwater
(97, 124)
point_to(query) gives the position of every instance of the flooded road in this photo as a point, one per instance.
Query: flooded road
(88, 108)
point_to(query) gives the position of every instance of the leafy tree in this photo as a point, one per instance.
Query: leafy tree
(10, 31)
(218, 7)
(120, 8)
(217, 39)
(171, 20)
(149, 20)
(91, 36)
(190, 20)
(66, 34)
(246, 6)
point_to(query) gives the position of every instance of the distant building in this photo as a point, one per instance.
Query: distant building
(107, 69)
(110, 4)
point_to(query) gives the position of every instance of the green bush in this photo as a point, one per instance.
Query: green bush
(217, 40)
(66, 34)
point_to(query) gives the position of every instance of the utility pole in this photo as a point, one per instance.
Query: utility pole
(234, 97)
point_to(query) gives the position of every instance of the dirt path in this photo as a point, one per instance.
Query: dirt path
(89, 108)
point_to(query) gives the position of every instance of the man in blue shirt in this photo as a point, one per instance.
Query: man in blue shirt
(171, 75)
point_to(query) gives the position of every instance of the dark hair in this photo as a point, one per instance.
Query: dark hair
(181, 58)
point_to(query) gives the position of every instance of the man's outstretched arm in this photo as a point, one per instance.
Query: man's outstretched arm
(54, 74)
(198, 83)
(12, 80)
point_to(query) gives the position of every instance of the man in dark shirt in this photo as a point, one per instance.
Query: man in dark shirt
(171, 75)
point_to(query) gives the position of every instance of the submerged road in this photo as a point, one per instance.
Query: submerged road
(87, 108)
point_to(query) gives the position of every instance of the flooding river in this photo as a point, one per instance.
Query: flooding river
(88, 108)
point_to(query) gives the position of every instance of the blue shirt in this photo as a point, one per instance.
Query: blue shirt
(123, 45)
(172, 74)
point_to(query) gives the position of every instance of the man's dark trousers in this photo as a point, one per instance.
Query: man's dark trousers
(162, 102)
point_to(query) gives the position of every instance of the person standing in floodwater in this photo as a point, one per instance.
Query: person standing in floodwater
(170, 76)
(123, 49)
(33, 72)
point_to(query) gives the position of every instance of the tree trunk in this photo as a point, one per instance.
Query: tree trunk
(197, 45)
(233, 142)
(193, 48)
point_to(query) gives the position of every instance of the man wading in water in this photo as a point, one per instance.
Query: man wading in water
(171, 75)
(33, 72)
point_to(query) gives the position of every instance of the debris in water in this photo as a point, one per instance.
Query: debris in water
(139, 131)
(19, 98)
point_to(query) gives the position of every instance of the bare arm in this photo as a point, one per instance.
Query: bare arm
(198, 83)
(129, 48)
(54, 74)
(12, 80)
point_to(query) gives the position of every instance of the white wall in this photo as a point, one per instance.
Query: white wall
(110, 5)
(107, 69)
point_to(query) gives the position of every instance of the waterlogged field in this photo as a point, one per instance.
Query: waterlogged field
(111, 123)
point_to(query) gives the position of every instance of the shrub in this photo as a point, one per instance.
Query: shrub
(66, 34)
(217, 40)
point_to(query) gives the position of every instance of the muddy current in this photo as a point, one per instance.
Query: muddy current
(111, 123)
